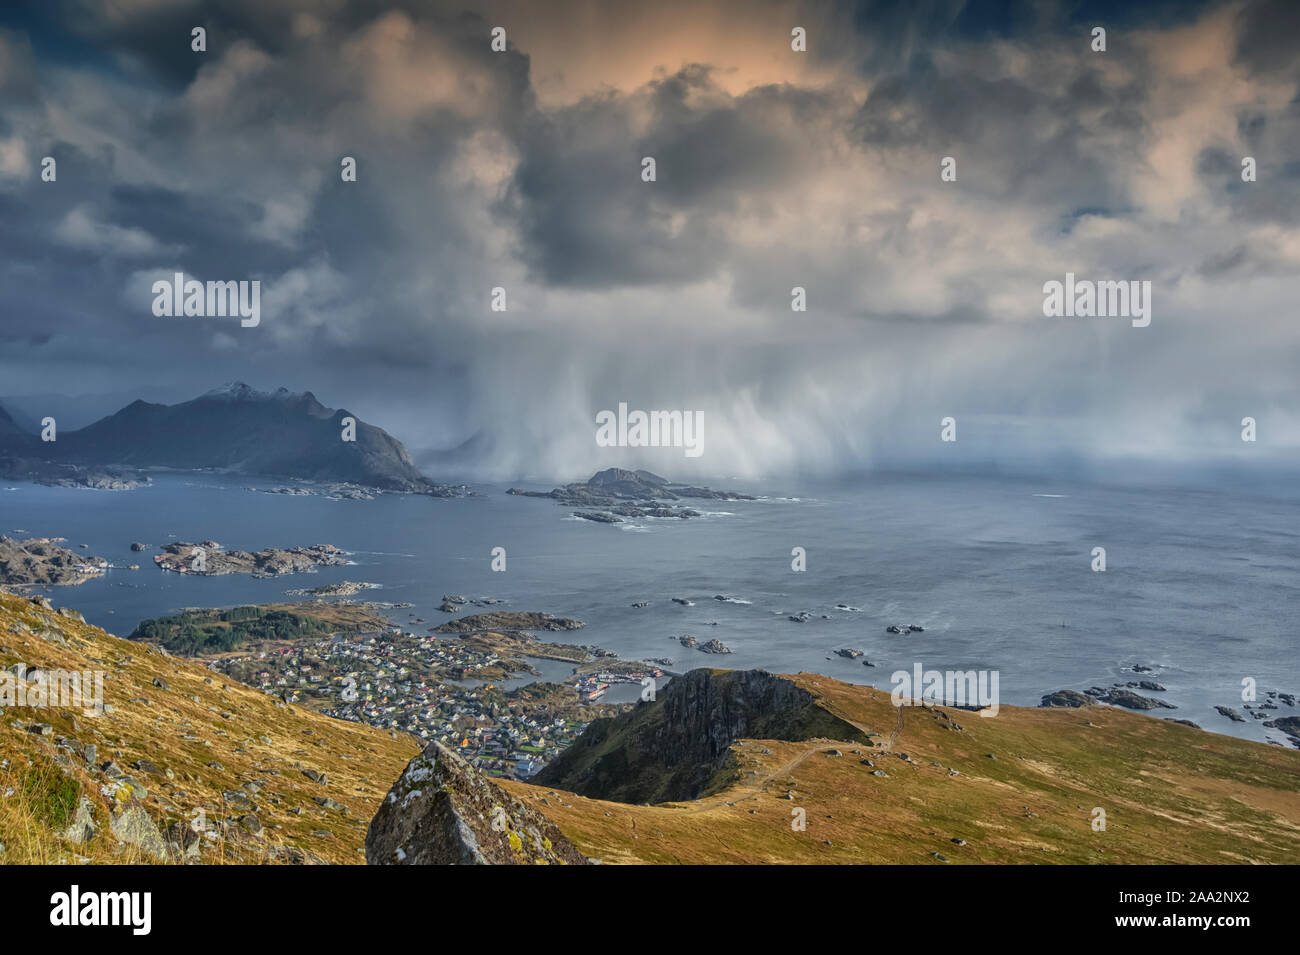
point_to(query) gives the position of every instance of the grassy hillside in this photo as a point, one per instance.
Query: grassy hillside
(1172, 794)
(1017, 788)
(201, 737)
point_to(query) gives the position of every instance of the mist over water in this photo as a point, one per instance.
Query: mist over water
(1064, 397)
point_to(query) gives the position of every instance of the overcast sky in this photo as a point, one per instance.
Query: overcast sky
(775, 169)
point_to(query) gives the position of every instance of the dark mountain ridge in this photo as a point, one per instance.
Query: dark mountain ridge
(235, 428)
(678, 747)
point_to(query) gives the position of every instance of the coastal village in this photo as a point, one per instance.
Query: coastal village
(469, 684)
(446, 688)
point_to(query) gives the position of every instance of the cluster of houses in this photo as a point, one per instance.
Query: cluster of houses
(399, 680)
(591, 687)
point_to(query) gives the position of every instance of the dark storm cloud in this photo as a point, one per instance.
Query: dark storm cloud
(774, 170)
(588, 218)
(1266, 36)
(1057, 134)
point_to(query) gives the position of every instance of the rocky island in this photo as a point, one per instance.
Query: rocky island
(57, 474)
(344, 588)
(209, 559)
(616, 494)
(41, 562)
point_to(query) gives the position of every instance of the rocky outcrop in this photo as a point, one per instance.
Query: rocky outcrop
(455, 603)
(1066, 698)
(442, 811)
(679, 746)
(1290, 725)
(502, 621)
(598, 517)
(1119, 696)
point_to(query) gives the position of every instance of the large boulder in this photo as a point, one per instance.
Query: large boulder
(134, 826)
(443, 811)
(82, 828)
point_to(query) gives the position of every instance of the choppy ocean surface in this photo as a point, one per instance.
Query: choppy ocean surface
(1201, 585)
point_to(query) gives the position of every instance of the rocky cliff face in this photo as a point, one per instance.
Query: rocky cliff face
(679, 747)
(443, 811)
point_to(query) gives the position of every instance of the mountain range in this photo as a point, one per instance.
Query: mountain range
(233, 428)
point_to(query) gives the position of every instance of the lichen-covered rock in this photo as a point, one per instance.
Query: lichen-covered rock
(443, 811)
(82, 827)
(134, 826)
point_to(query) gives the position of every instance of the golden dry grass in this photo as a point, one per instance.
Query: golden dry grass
(199, 719)
(1172, 794)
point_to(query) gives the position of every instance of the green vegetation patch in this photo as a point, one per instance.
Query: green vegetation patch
(194, 632)
(51, 795)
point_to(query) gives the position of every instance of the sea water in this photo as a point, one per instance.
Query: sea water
(1201, 585)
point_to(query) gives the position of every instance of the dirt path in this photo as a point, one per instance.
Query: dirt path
(898, 731)
(756, 786)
